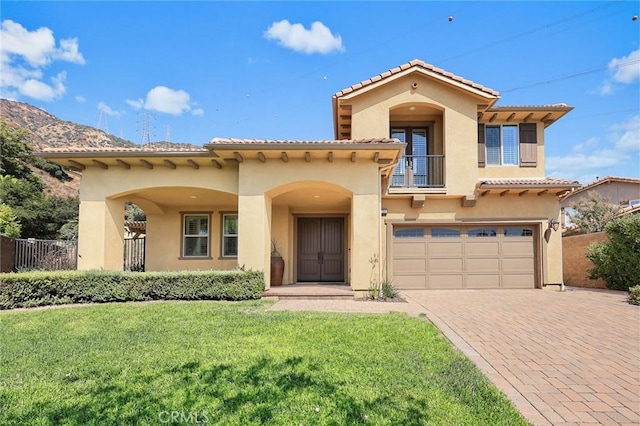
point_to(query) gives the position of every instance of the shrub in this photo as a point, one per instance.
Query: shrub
(634, 295)
(389, 291)
(617, 262)
(60, 287)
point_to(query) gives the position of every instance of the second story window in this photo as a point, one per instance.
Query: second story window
(502, 145)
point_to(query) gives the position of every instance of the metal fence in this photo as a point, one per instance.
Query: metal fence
(134, 249)
(48, 255)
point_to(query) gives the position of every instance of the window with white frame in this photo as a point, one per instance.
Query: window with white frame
(502, 145)
(230, 235)
(195, 235)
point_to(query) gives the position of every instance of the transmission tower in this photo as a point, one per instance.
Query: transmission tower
(102, 122)
(147, 127)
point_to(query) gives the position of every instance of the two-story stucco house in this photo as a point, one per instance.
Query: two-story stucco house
(427, 183)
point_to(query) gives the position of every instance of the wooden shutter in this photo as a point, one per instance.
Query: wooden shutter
(528, 145)
(482, 153)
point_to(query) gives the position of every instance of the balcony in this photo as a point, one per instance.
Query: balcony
(419, 171)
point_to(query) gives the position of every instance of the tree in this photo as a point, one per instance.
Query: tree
(617, 262)
(9, 225)
(594, 213)
(15, 154)
(133, 213)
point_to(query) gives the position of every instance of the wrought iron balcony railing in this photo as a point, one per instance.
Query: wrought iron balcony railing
(419, 171)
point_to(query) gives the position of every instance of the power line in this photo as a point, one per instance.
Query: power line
(566, 77)
(534, 30)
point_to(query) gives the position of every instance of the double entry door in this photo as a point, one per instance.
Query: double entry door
(320, 249)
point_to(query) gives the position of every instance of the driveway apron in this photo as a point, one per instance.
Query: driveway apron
(562, 358)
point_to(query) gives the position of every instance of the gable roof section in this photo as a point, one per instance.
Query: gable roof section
(605, 180)
(420, 66)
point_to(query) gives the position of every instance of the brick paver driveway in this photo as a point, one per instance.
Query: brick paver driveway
(563, 358)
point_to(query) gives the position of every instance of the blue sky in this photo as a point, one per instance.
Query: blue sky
(268, 69)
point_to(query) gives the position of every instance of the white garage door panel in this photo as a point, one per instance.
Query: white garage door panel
(515, 248)
(444, 262)
(446, 248)
(408, 282)
(445, 265)
(483, 281)
(410, 248)
(445, 281)
(522, 265)
(490, 264)
(411, 265)
(518, 281)
(482, 248)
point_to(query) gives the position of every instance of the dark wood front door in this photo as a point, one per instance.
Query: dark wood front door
(321, 249)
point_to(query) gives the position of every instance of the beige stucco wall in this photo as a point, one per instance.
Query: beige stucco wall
(370, 119)
(495, 209)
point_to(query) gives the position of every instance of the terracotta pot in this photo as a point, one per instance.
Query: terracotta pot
(277, 270)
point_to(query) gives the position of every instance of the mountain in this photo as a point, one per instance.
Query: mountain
(44, 130)
(48, 131)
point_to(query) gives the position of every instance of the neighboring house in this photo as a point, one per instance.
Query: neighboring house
(428, 183)
(620, 191)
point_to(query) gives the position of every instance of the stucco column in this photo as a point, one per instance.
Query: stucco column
(365, 241)
(254, 234)
(101, 235)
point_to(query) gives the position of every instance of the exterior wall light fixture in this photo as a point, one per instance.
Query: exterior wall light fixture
(554, 224)
(384, 211)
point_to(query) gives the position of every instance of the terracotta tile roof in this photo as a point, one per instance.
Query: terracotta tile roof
(416, 63)
(607, 179)
(561, 106)
(529, 182)
(142, 150)
(234, 141)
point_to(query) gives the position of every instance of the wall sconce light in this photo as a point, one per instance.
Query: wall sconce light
(554, 224)
(384, 211)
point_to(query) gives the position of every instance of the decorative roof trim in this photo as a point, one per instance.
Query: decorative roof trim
(528, 183)
(421, 66)
(228, 143)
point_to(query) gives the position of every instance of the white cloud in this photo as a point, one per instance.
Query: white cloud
(106, 109)
(169, 101)
(625, 70)
(589, 159)
(626, 136)
(166, 100)
(37, 89)
(318, 39)
(24, 56)
(80, 99)
(135, 103)
(568, 165)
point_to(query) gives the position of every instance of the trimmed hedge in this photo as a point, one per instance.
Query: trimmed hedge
(30, 289)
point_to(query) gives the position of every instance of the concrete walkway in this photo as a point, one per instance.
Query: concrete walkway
(562, 358)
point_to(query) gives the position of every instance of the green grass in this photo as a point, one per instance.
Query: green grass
(235, 363)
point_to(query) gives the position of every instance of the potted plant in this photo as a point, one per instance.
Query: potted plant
(277, 264)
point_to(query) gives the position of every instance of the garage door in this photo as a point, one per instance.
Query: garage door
(437, 257)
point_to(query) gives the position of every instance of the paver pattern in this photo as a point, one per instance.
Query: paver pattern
(563, 358)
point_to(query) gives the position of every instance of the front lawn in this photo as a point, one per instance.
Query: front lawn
(235, 363)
